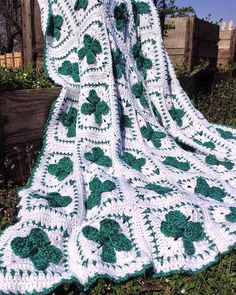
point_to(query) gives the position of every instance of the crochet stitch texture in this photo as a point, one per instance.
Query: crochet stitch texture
(131, 175)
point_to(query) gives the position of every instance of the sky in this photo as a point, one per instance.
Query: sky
(218, 9)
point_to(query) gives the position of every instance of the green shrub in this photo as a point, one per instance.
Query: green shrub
(220, 105)
(23, 78)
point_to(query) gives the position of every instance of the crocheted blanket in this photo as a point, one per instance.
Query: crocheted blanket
(131, 176)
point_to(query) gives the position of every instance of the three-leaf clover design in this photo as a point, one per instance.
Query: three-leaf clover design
(81, 4)
(38, 248)
(97, 187)
(109, 238)
(138, 91)
(97, 156)
(120, 15)
(132, 161)
(62, 169)
(118, 63)
(95, 106)
(214, 192)
(232, 215)
(139, 8)
(70, 69)
(212, 160)
(55, 23)
(174, 162)
(69, 121)
(151, 135)
(91, 49)
(55, 199)
(226, 134)
(177, 225)
(143, 63)
(177, 115)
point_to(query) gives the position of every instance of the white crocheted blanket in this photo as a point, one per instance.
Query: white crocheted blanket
(131, 175)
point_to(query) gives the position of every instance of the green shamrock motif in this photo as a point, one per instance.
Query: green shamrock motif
(37, 247)
(212, 160)
(207, 144)
(232, 215)
(62, 169)
(81, 4)
(138, 91)
(118, 63)
(55, 23)
(132, 161)
(177, 115)
(139, 8)
(70, 69)
(97, 156)
(97, 187)
(143, 64)
(109, 238)
(91, 49)
(120, 15)
(69, 120)
(161, 190)
(55, 199)
(178, 226)
(151, 135)
(174, 162)
(95, 106)
(226, 134)
(213, 192)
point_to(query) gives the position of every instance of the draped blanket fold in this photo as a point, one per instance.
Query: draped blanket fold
(131, 175)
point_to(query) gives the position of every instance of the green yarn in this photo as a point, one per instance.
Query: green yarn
(120, 15)
(69, 120)
(177, 115)
(132, 161)
(81, 4)
(70, 69)
(212, 160)
(139, 8)
(37, 247)
(91, 49)
(109, 238)
(62, 169)
(207, 144)
(178, 226)
(55, 199)
(138, 91)
(151, 135)
(143, 64)
(161, 190)
(213, 192)
(55, 23)
(118, 63)
(174, 162)
(232, 215)
(226, 134)
(97, 156)
(95, 106)
(97, 187)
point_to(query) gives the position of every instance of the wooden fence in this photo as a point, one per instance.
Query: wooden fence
(13, 60)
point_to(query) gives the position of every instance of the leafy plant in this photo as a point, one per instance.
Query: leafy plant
(23, 78)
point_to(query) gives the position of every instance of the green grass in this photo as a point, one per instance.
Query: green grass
(219, 106)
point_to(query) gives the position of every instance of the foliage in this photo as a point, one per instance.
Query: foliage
(220, 105)
(181, 68)
(23, 78)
